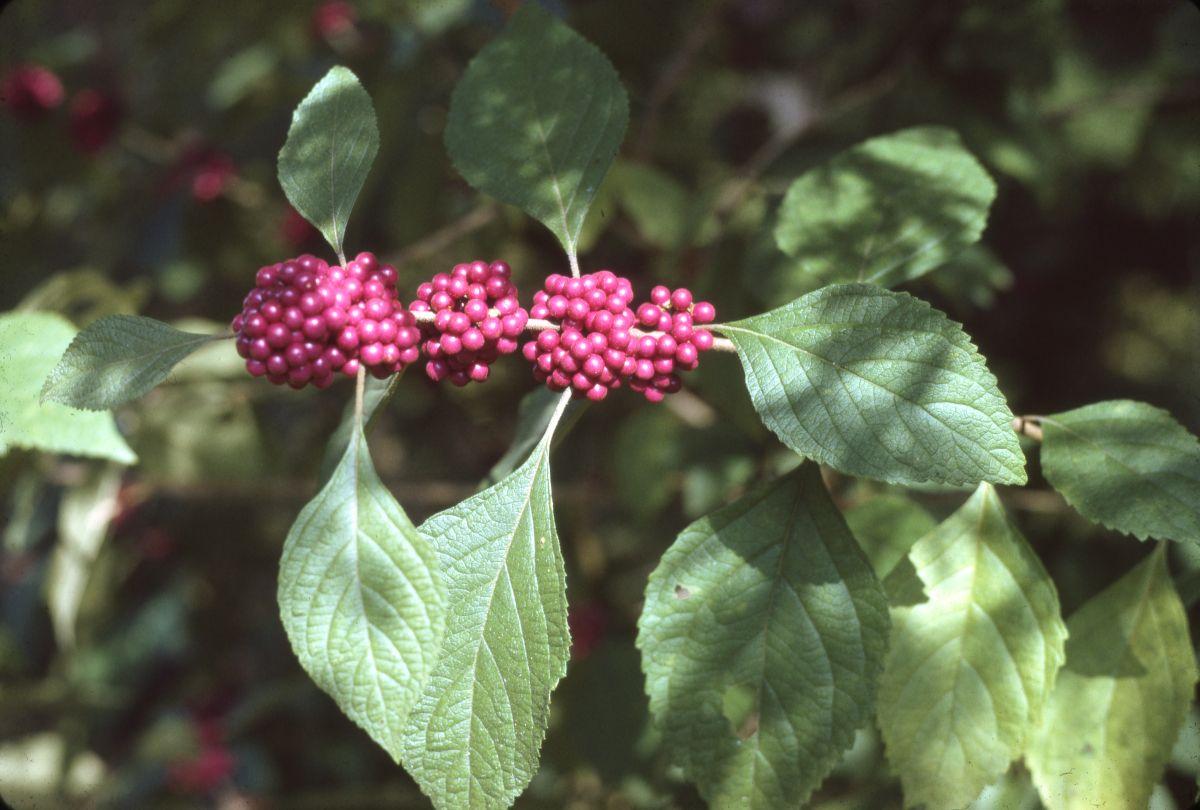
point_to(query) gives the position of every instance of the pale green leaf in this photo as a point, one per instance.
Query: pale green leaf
(1128, 466)
(888, 210)
(116, 359)
(376, 395)
(329, 149)
(534, 413)
(475, 736)
(361, 598)
(762, 639)
(30, 345)
(84, 515)
(537, 119)
(969, 670)
(878, 384)
(1122, 697)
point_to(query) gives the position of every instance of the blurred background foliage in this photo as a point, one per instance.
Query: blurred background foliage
(142, 661)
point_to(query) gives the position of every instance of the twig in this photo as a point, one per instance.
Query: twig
(1030, 426)
(434, 243)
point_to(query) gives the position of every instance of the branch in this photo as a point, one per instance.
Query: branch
(1030, 426)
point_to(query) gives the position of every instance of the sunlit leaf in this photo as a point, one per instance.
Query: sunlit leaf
(361, 598)
(1122, 697)
(30, 346)
(762, 638)
(969, 670)
(475, 736)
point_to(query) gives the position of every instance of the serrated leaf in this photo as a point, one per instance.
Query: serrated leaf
(537, 119)
(1122, 697)
(878, 384)
(888, 210)
(1128, 466)
(117, 359)
(30, 345)
(475, 736)
(969, 671)
(762, 639)
(361, 598)
(330, 146)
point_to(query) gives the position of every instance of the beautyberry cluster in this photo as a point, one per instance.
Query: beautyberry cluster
(476, 318)
(676, 342)
(588, 354)
(306, 320)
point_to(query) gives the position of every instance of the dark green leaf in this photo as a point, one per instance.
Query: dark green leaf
(888, 210)
(117, 359)
(762, 638)
(537, 120)
(1128, 466)
(329, 149)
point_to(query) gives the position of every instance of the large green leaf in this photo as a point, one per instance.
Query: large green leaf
(30, 345)
(969, 670)
(888, 210)
(1122, 697)
(1127, 466)
(329, 149)
(376, 395)
(878, 384)
(116, 359)
(537, 119)
(475, 736)
(361, 598)
(762, 639)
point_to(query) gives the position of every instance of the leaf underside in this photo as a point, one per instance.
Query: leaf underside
(969, 670)
(1122, 697)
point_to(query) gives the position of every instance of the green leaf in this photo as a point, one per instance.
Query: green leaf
(1128, 466)
(30, 344)
(888, 210)
(117, 359)
(886, 527)
(329, 149)
(1122, 697)
(969, 671)
(361, 598)
(878, 384)
(536, 121)
(474, 738)
(762, 639)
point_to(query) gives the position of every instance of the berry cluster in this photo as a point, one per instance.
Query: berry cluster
(677, 344)
(588, 354)
(305, 320)
(476, 318)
